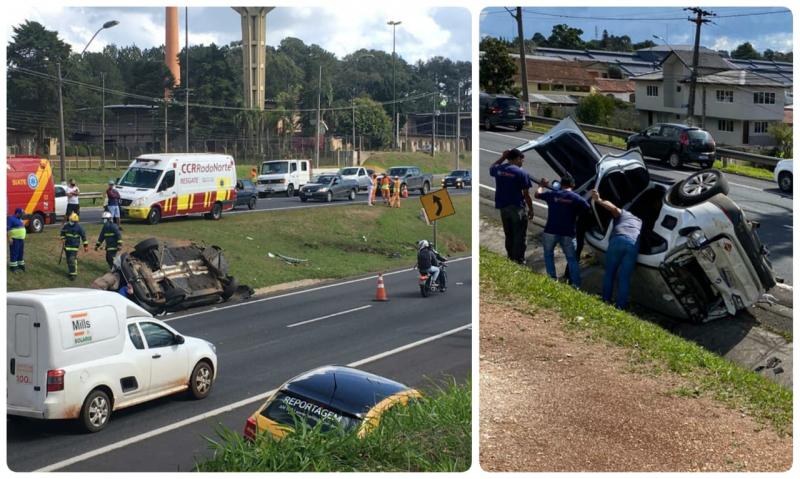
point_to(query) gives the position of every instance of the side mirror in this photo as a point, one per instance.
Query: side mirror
(179, 339)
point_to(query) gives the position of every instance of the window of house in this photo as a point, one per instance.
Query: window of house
(760, 127)
(764, 97)
(725, 125)
(652, 90)
(725, 96)
(558, 87)
(544, 87)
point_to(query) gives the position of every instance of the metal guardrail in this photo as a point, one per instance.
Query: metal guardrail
(723, 154)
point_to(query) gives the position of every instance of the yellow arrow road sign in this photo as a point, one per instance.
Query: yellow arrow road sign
(437, 204)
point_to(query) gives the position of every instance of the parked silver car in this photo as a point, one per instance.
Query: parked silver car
(700, 258)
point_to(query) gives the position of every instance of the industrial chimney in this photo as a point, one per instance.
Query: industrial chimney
(171, 46)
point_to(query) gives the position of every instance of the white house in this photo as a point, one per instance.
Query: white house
(736, 106)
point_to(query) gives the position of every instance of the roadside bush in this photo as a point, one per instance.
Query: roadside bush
(595, 110)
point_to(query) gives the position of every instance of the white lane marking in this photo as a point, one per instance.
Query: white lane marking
(491, 151)
(228, 408)
(538, 203)
(509, 136)
(327, 316)
(293, 293)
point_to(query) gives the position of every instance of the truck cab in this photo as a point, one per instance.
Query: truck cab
(283, 176)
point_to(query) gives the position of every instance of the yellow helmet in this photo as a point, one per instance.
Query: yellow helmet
(74, 217)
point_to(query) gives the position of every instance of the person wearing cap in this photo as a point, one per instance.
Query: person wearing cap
(72, 236)
(512, 197)
(623, 248)
(563, 208)
(73, 200)
(113, 203)
(112, 236)
(15, 228)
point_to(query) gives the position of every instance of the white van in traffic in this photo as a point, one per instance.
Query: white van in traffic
(177, 184)
(82, 353)
(283, 176)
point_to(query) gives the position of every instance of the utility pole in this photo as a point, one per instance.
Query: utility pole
(62, 151)
(523, 64)
(186, 80)
(103, 116)
(433, 116)
(319, 101)
(458, 124)
(394, 81)
(166, 125)
(698, 20)
(355, 158)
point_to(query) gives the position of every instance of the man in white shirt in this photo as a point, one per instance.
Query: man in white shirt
(73, 199)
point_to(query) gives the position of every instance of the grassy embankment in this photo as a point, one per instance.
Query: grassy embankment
(652, 349)
(733, 168)
(432, 434)
(338, 241)
(439, 164)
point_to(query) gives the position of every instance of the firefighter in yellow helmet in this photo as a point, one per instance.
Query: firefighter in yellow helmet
(72, 236)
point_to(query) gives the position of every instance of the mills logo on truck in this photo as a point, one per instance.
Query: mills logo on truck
(162, 186)
(29, 185)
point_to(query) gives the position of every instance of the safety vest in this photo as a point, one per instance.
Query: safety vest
(397, 187)
(73, 235)
(16, 228)
(385, 183)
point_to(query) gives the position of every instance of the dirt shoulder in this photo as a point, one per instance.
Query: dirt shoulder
(553, 401)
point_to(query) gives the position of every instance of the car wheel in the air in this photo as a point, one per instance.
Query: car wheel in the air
(700, 186)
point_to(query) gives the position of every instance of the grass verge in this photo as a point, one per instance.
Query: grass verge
(745, 170)
(650, 346)
(595, 138)
(440, 163)
(338, 241)
(432, 434)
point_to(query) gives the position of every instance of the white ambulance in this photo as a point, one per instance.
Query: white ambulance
(165, 185)
(283, 176)
(82, 353)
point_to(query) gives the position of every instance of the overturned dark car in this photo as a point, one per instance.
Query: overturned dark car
(164, 276)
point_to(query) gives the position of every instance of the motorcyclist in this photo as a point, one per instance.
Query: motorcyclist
(428, 261)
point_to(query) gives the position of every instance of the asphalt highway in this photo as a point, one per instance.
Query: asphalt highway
(260, 344)
(761, 200)
(272, 203)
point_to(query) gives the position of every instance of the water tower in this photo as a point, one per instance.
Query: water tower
(254, 53)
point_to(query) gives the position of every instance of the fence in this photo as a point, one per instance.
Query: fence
(725, 155)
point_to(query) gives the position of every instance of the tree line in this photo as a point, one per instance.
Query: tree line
(139, 76)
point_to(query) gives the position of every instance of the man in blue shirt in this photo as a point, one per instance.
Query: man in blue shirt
(511, 197)
(623, 249)
(15, 229)
(563, 208)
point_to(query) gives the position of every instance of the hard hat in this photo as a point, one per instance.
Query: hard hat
(106, 215)
(422, 244)
(74, 217)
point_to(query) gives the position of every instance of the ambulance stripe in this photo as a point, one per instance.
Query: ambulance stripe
(43, 176)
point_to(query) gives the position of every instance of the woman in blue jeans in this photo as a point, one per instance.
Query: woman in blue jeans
(623, 248)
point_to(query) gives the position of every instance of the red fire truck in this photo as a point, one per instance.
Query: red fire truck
(29, 185)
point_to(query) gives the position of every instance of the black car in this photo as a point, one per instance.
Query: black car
(246, 194)
(676, 144)
(501, 110)
(457, 179)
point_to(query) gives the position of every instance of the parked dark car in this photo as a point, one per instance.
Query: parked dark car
(457, 179)
(246, 194)
(676, 144)
(501, 110)
(328, 188)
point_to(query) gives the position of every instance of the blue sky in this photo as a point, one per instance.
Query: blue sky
(341, 29)
(763, 31)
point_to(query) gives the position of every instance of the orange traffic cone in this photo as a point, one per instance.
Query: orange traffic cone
(380, 295)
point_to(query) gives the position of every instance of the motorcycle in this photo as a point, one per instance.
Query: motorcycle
(427, 286)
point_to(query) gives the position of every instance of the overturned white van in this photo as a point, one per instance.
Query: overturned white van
(82, 353)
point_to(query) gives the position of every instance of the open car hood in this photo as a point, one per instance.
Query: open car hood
(567, 150)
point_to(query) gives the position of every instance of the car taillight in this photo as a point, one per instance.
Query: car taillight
(55, 380)
(684, 138)
(522, 110)
(494, 110)
(250, 429)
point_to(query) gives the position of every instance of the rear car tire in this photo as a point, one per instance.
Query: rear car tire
(785, 182)
(216, 211)
(36, 223)
(487, 125)
(674, 160)
(145, 245)
(154, 216)
(252, 203)
(96, 411)
(201, 380)
(700, 186)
